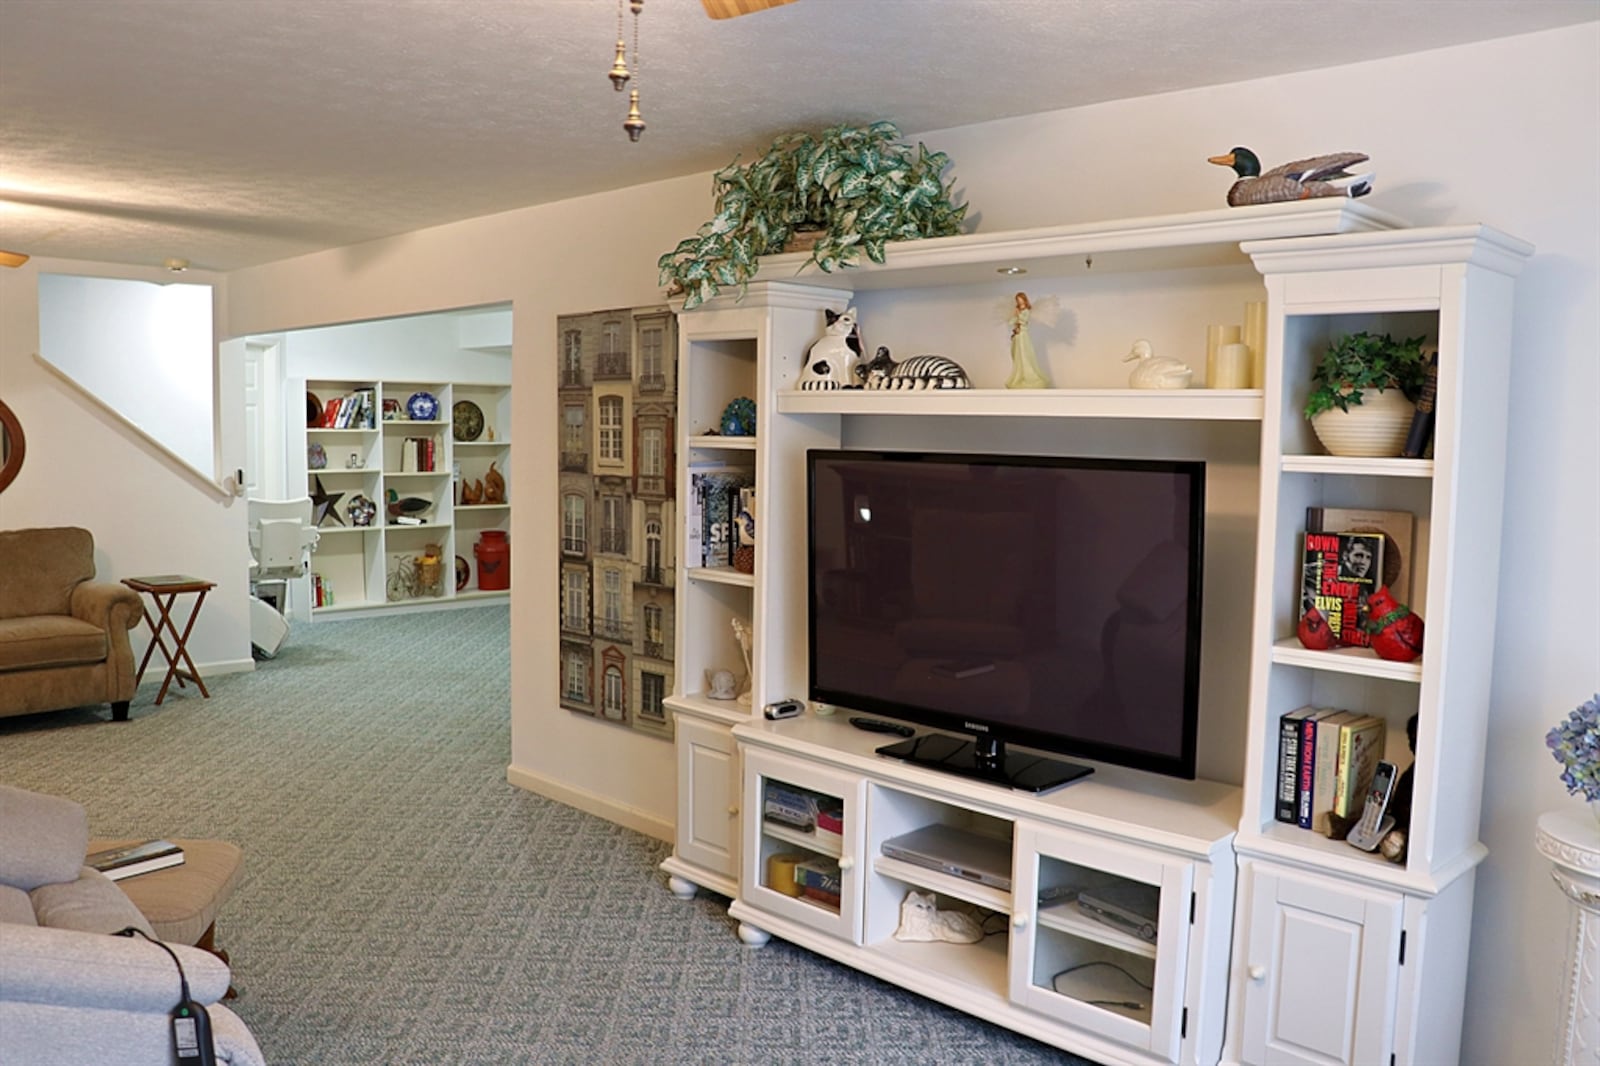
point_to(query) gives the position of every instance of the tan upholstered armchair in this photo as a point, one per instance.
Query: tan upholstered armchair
(63, 636)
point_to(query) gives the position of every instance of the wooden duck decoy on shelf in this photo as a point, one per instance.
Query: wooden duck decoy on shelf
(1304, 179)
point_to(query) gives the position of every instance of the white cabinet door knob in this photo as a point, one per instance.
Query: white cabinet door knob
(1019, 921)
(846, 862)
(1257, 973)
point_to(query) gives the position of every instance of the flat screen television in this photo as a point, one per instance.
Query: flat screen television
(1048, 602)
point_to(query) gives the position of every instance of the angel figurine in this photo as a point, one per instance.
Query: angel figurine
(1025, 372)
(745, 636)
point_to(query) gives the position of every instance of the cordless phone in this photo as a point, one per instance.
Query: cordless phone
(1374, 821)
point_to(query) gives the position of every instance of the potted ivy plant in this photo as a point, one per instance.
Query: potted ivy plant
(1363, 393)
(845, 191)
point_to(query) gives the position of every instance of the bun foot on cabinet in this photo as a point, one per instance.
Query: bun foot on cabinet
(681, 888)
(750, 936)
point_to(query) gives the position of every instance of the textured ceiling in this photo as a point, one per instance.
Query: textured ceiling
(234, 132)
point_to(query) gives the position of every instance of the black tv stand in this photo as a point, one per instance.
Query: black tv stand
(987, 759)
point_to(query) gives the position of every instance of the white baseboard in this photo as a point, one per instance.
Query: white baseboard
(591, 803)
(157, 670)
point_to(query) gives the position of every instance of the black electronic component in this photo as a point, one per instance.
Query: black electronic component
(191, 1025)
(878, 725)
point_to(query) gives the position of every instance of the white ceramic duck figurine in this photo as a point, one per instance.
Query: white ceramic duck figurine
(1155, 372)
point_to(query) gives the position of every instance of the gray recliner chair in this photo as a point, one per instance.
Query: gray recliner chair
(71, 993)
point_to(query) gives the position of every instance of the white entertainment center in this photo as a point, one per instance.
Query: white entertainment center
(1273, 944)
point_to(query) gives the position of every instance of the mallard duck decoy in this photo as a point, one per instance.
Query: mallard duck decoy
(1155, 371)
(1304, 179)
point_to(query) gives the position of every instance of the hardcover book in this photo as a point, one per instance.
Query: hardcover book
(1289, 764)
(1340, 571)
(1398, 529)
(132, 859)
(1361, 745)
(1419, 438)
(1329, 729)
(1307, 783)
(716, 498)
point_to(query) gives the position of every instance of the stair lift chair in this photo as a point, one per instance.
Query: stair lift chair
(282, 538)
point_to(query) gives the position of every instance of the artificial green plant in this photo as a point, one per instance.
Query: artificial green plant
(1360, 361)
(860, 186)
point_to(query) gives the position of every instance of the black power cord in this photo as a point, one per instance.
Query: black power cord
(191, 1025)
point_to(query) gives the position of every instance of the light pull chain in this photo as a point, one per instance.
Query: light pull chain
(619, 68)
(634, 123)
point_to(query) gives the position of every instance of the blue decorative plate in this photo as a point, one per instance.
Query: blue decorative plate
(422, 407)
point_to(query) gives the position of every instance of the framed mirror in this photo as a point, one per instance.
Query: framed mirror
(12, 445)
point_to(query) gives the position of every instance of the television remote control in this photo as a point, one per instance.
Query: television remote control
(878, 725)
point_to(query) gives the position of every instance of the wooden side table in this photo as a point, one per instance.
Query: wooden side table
(164, 590)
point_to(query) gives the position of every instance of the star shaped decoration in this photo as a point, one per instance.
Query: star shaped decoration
(322, 502)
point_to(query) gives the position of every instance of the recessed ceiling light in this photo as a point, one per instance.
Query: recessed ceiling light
(1011, 271)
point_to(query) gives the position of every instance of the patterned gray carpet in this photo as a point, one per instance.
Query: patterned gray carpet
(403, 904)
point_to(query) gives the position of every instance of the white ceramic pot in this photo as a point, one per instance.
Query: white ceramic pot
(1377, 426)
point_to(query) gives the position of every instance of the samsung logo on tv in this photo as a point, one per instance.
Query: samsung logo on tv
(976, 727)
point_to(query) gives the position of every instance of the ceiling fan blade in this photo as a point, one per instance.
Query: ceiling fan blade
(12, 259)
(727, 9)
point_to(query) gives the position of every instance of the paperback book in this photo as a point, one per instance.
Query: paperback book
(131, 859)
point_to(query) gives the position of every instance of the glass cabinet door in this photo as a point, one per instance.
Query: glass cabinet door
(1088, 937)
(801, 861)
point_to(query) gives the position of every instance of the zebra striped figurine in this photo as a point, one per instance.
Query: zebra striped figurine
(918, 372)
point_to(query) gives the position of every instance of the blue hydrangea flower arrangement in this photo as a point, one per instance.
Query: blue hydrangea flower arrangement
(1575, 743)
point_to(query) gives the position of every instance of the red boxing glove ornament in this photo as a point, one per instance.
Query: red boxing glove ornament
(1314, 632)
(1396, 630)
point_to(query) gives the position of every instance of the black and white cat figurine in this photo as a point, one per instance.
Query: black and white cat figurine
(918, 372)
(831, 361)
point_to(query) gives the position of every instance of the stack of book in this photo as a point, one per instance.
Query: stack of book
(713, 504)
(132, 859)
(355, 410)
(819, 880)
(1326, 758)
(417, 455)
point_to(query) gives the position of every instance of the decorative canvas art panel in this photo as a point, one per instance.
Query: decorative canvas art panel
(617, 387)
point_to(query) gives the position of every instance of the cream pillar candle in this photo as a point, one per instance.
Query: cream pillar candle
(1216, 337)
(1255, 335)
(1233, 366)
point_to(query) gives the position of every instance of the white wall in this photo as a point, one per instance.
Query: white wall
(87, 467)
(1503, 132)
(143, 348)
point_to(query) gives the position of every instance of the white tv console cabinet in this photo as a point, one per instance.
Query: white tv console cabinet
(1273, 944)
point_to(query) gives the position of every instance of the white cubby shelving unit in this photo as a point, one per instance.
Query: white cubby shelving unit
(359, 563)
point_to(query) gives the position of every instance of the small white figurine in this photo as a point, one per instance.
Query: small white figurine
(830, 362)
(1025, 372)
(921, 919)
(1155, 372)
(746, 638)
